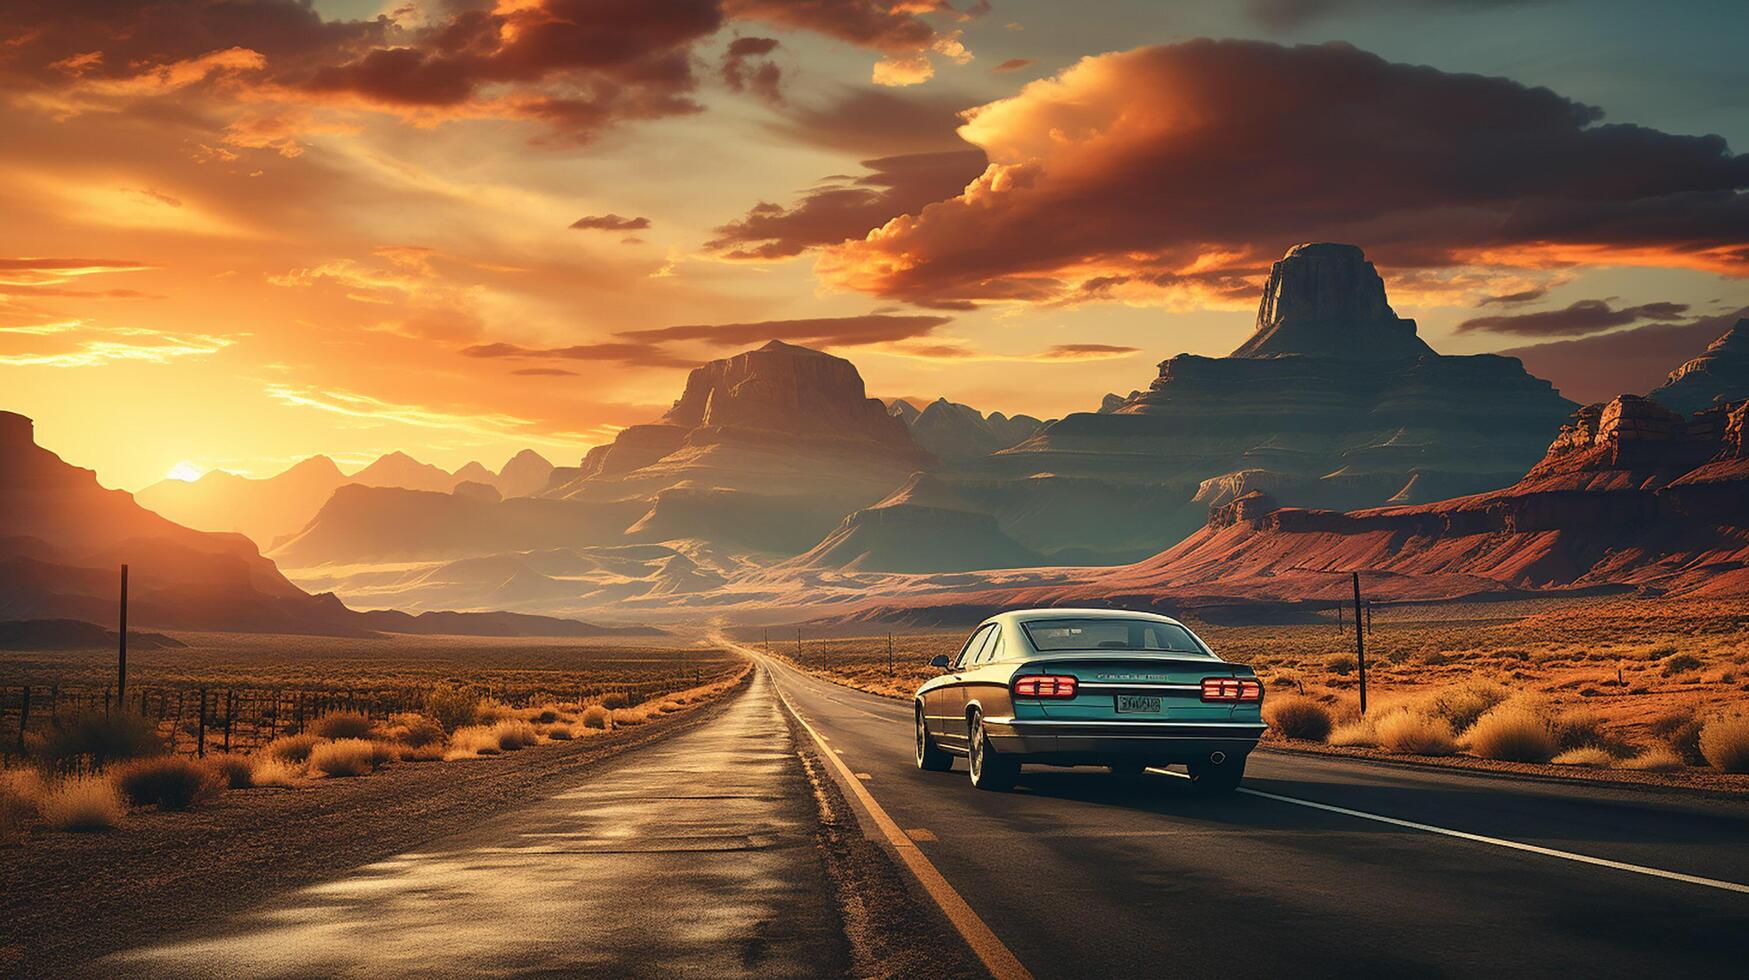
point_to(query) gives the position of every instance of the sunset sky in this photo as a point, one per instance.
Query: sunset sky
(241, 233)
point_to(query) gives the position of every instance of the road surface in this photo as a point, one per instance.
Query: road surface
(1079, 874)
(692, 856)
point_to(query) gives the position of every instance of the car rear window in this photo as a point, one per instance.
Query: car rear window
(1142, 635)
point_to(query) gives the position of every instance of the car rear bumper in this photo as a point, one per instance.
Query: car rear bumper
(1098, 741)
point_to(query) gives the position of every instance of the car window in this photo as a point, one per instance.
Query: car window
(981, 653)
(992, 651)
(1139, 635)
(973, 643)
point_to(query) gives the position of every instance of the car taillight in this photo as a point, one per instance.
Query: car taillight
(1044, 686)
(1231, 689)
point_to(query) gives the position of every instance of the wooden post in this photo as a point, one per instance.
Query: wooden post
(889, 654)
(1369, 615)
(1359, 644)
(230, 709)
(23, 719)
(1339, 628)
(121, 658)
(200, 727)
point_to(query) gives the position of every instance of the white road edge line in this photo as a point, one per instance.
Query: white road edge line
(996, 957)
(1729, 886)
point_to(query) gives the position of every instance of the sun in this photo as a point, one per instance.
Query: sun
(185, 471)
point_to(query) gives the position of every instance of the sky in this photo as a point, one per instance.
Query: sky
(242, 233)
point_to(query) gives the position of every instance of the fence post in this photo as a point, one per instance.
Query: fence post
(200, 729)
(230, 709)
(23, 719)
(1359, 644)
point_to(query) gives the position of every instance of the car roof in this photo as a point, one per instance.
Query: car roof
(1033, 615)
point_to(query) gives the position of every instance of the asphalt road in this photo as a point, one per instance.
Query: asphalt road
(1082, 874)
(692, 856)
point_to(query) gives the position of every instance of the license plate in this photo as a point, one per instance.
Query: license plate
(1137, 704)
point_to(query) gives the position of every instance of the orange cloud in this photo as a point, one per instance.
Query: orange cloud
(1168, 174)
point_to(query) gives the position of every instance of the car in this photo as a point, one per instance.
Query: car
(1078, 687)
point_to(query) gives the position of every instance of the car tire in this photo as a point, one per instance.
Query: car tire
(990, 769)
(930, 757)
(1217, 779)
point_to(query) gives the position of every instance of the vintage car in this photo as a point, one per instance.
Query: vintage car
(1074, 687)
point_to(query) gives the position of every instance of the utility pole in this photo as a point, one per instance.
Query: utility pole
(1359, 644)
(121, 660)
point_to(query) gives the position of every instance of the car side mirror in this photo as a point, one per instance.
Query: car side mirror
(939, 661)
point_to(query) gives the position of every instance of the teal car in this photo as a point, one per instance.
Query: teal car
(1078, 687)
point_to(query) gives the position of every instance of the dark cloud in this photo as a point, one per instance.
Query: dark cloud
(1013, 64)
(609, 222)
(895, 186)
(642, 355)
(884, 25)
(1218, 155)
(877, 122)
(1595, 369)
(747, 68)
(1580, 317)
(1284, 15)
(1513, 299)
(1070, 352)
(842, 331)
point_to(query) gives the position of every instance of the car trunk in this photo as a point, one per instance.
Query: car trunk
(1118, 688)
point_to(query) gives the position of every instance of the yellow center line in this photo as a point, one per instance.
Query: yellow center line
(996, 957)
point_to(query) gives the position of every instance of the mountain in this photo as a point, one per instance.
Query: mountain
(471, 472)
(523, 474)
(264, 510)
(924, 526)
(1333, 402)
(63, 538)
(1720, 374)
(397, 469)
(956, 432)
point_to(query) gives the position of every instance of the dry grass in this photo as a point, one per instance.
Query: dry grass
(472, 742)
(291, 748)
(1724, 741)
(1415, 733)
(1359, 733)
(452, 707)
(614, 699)
(597, 716)
(413, 730)
(1299, 718)
(1589, 756)
(631, 716)
(273, 771)
(233, 768)
(344, 724)
(1659, 758)
(171, 782)
(344, 757)
(101, 738)
(559, 732)
(1515, 731)
(83, 803)
(514, 733)
(21, 794)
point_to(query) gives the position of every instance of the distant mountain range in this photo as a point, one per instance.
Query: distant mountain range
(271, 509)
(1335, 439)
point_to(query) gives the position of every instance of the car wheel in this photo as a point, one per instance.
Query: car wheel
(1217, 778)
(990, 769)
(930, 757)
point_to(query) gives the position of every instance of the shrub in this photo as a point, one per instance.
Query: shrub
(291, 748)
(1299, 718)
(452, 707)
(414, 730)
(1512, 732)
(1341, 664)
(233, 769)
(1415, 733)
(1590, 756)
(1658, 758)
(596, 716)
(1359, 733)
(21, 793)
(544, 715)
(559, 733)
(1724, 742)
(472, 741)
(274, 771)
(614, 699)
(344, 724)
(430, 752)
(492, 711)
(344, 757)
(515, 734)
(83, 803)
(102, 737)
(1681, 729)
(1680, 663)
(630, 716)
(1461, 704)
(172, 782)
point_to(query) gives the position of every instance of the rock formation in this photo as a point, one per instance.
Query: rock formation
(1720, 374)
(924, 526)
(1333, 402)
(955, 432)
(265, 510)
